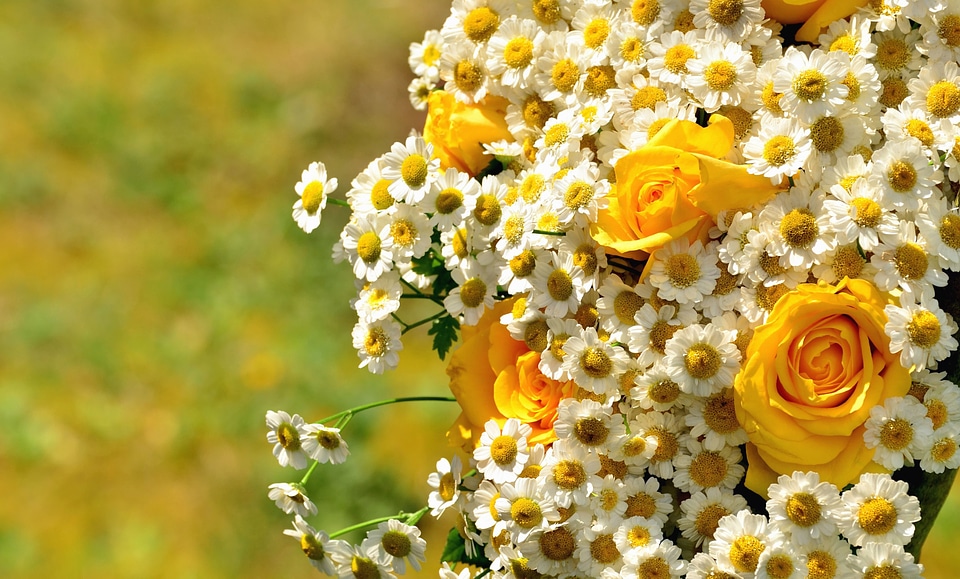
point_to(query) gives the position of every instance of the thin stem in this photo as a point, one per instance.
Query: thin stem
(436, 316)
(339, 202)
(408, 519)
(556, 233)
(309, 472)
(358, 409)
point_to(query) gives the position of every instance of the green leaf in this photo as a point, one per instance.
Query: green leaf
(444, 332)
(455, 551)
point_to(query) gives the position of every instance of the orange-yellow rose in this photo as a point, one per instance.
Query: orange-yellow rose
(459, 130)
(815, 14)
(674, 186)
(811, 376)
(494, 376)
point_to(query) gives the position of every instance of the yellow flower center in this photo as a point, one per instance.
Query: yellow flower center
(826, 134)
(396, 543)
(311, 547)
(720, 414)
(536, 111)
(676, 57)
(937, 413)
(896, 434)
(745, 553)
(625, 306)
(924, 329)
(892, 54)
(530, 471)
(569, 475)
(718, 574)
(368, 247)
(949, 30)
(950, 230)
(549, 221)
(902, 176)
(866, 212)
(595, 363)
(535, 335)
(288, 436)
(664, 391)
(632, 49)
(877, 516)
(667, 444)
(635, 446)
(779, 566)
(600, 79)
(882, 572)
(682, 269)
(943, 449)
(741, 118)
(376, 343)
(660, 333)
(708, 519)
(591, 431)
(380, 198)
(523, 264)
(472, 292)
(918, 390)
(556, 135)
(647, 97)
(655, 127)
(654, 568)
(312, 196)
(779, 150)
(726, 283)
(767, 296)
(821, 565)
(882, 7)
(943, 100)
(893, 90)
(585, 257)
(638, 536)
(492, 508)
(414, 170)
(799, 228)
(645, 12)
(459, 243)
(640, 505)
(596, 32)
(546, 11)
(608, 499)
(810, 85)
(467, 76)
(604, 550)
(771, 99)
(708, 469)
(488, 211)
(720, 75)
(565, 75)
(513, 229)
(526, 513)
(558, 544)
(560, 285)
(449, 200)
(725, 12)
(579, 194)
(448, 486)
(921, 131)
(803, 509)
(844, 43)
(911, 261)
(853, 86)
(532, 187)
(328, 440)
(518, 52)
(404, 232)
(848, 262)
(480, 24)
(503, 450)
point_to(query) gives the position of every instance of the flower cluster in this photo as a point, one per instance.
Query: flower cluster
(687, 256)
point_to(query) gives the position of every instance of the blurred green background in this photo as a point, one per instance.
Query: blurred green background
(156, 298)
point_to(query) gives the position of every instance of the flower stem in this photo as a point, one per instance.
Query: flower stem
(408, 519)
(306, 476)
(339, 202)
(358, 409)
(436, 316)
(556, 233)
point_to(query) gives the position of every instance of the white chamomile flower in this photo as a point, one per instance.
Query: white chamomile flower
(702, 469)
(669, 57)
(291, 498)
(569, 473)
(683, 272)
(369, 193)
(897, 57)
(588, 423)
(410, 230)
(512, 52)
(939, 225)
(419, 91)
(885, 560)
(943, 452)
(561, 69)
(739, 541)
(849, 35)
(879, 509)
(898, 430)
(316, 545)
(517, 234)
(487, 216)
(592, 25)
(559, 285)
(598, 552)
(714, 418)
(379, 299)
(645, 499)
(524, 508)
(411, 169)
(704, 509)
(702, 359)
(368, 246)
(780, 561)
(942, 400)
(703, 566)
(312, 189)
(581, 193)
(608, 502)
(904, 261)
(666, 428)
(798, 229)
(726, 21)
(937, 91)
(804, 508)
(502, 454)
(399, 544)
(654, 328)
(363, 560)
(592, 363)
(811, 85)
(635, 450)
(662, 560)
(474, 292)
(826, 556)
(941, 40)
(858, 215)
(779, 150)
(616, 306)
(462, 67)
(324, 444)
(922, 333)
(637, 535)
(424, 59)
(452, 199)
(902, 172)
(284, 434)
(627, 46)
(835, 136)
(911, 123)
(721, 74)
(656, 390)
(378, 344)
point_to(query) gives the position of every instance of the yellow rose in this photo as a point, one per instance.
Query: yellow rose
(674, 186)
(811, 376)
(815, 14)
(494, 376)
(458, 130)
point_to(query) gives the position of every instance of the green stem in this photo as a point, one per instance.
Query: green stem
(358, 409)
(339, 202)
(436, 316)
(306, 477)
(422, 297)
(408, 519)
(556, 233)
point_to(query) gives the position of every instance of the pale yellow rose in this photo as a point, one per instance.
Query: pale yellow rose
(494, 376)
(811, 376)
(674, 186)
(459, 130)
(815, 14)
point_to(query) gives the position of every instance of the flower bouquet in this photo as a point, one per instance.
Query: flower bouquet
(695, 253)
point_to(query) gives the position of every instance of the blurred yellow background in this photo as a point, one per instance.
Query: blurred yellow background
(156, 298)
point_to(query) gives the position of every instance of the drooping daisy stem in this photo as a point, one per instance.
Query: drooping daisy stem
(417, 294)
(407, 327)
(407, 518)
(349, 413)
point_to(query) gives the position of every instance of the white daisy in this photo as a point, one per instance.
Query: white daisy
(898, 430)
(655, 328)
(316, 545)
(378, 344)
(943, 452)
(559, 285)
(702, 359)
(779, 150)
(666, 428)
(739, 541)
(702, 468)
(798, 229)
(878, 510)
(411, 169)
(804, 508)
(636, 535)
(446, 484)
(285, 434)
(569, 474)
(939, 225)
(312, 190)
(714, 419)
(922, 333)
(453, 198)
(656, 390)
(399, 544)
(811, 85)
(662, 560)
(683, 272)
(462, 68)
(513, 51)
(592, 363)
(324, 444)
(703, 510)
(561, 69)
(291, 498)
(669, 57)
(902, 172)
(502, 454)
(367, 245)
(721, 74)
(857, 215)
(885, 560)
(905, 262)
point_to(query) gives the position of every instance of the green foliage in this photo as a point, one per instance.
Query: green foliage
(444, 332)
(455, 551)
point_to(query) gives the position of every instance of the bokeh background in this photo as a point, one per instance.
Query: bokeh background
(156, 298)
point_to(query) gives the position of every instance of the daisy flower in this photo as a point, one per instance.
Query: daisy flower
(424, 59)
(656, 390)
(937, 90)
(739, 541)
(904, 261)
(826, 557)
(902, 172)
(703, 566)
(312, 190)
(779, 150)
(811, 85)
(446, 484)
(553, 355)
(644, 499)
(939, 225)
(592, 26)
(569, 475)
(798, 229)
(885, 560)
(714, 418)
(502, 455)
(363, 560)
(922, 333)
(451, 200)
(581, 194)
(592, 363)
(666, 429)
(726, 21)
(378, 344)
(473, 294)
(898, 430)
(635, 450)
(943, 452)
(316, 545)
(858, 215)
(324, 444)
(608, 502)
(291, 498)
(702, 359)
(558, 284)
(702, 468)
(878, 510)
(410, 230)
(804, 508)
(285, 434)
(663, 560)
(638, 535)
(655, 328)
(561, 69)
(379, 299)
(781, 562)
(367, 245)
(669, 57)
(399, 544)
(598, 551)
(553, 551)
(462, 68)
(704, 509)
(721, 74)
(411, 168)
(683, 272)
(525, 509)
(513, 51)
(942, 401)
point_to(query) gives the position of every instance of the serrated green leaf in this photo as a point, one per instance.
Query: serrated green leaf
(444, 331)
(455, 551)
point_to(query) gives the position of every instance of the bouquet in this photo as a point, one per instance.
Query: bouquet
(696, 256)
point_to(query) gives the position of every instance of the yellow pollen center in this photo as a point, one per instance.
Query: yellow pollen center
(467, 76)
(635, 446)
(655, 127)
(944, 449)
(924, 329)
(853, 86)
(513, 229)
(848, 262)
(943, 100)
(631, 49)
(328, 440)
(578, 195)
(535, 335)
(363, 568)
(768, 296)
(770, 264)
(480, 24)
(368, 247)
(546, 11)
(720, 414)
(640, 505)
(892, 54)
(821, 565)
(708, 469)
(844, 43)
(487, 211)
(902, 176)
(604, 550)
(720, 75)
(647, 97)
(472, 292)
(494, 514)
(645, 12)
(745, 553)
(625, 306)
(654, 568)
(918, 390)
(708, 519)
(771, 99)
(448, 487)
(676, 57)
(779, 150)
(288, 436)
(911, 261)
(600, 79)
(667, 445)
(609, 499)
(414, 170)
(569, 475)
(311, 547)
(376, 343)
(950, 230)
(585, 257)
(404, 233)
(503, 450)
(803, 509)
(526, 513)
(877, 516)
(921, 131)
(396, 543)
(684, 21)
(664, 392)
(530, 471)
(682, 269)
(556, 135)
(866, 212)
(638, 536)
(949, 30)
(893, 91)
(826, 134)
(312, 197)
(937, 413)
(431, 54)
(896, 434)
(518, 52)
(565, 75)
(532, 187)
(595, 363)
(702, 361)
(448, 201)
(810, 85)
(459, 243)
(741, 118)
(725, 12)
(523, 264)
(596, 33)
(558, 544)
(779, 566)
(726, 283)
(536, 111)
(882, 572)
(799, 228)
(560, 285)
(380, 197)
(660, 333)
